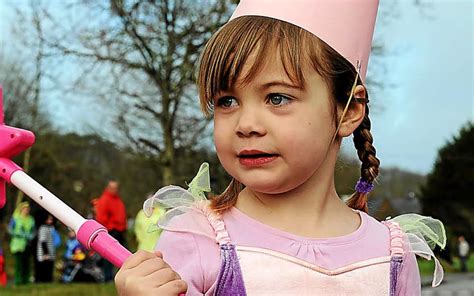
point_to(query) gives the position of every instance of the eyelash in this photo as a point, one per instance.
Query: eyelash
(273, 95)
(222, 100)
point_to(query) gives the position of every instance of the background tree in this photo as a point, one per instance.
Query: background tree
(139, 56)
(392, 182)
(19, 96)
(447, 194)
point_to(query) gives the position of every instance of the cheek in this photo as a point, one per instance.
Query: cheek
(309, 136)
(221, 133)
(222, 141)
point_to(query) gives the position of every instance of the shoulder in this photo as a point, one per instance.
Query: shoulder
(101, 202)
(44, 228)
(408, 279)
(376, 231)
(374, 224)
(140, 215)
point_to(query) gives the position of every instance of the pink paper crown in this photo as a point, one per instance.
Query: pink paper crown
(345, 25)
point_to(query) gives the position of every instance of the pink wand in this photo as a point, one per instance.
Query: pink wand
(90, 233)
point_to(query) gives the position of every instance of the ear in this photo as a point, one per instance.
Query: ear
(354, 115)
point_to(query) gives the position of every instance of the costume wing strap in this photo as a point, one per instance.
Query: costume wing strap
(423, 235)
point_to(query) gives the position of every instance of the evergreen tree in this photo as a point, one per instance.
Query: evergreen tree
(447, 194)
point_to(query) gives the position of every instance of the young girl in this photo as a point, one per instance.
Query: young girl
(285, 83)
(22, 229)
(45, 250)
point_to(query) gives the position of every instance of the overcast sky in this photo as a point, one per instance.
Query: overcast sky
(427, 73)
(428, 70)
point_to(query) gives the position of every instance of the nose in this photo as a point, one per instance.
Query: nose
(250, 123)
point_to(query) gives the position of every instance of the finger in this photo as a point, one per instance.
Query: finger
(163, 276)
(137, 258)
(149, 266)
(158, 254)
(173, 288)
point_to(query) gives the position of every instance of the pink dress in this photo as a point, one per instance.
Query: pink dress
(234, 254)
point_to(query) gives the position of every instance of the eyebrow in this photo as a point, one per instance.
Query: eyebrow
(280, 83)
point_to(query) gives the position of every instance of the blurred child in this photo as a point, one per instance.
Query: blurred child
(146, 236)
(463, 252)
(45, 251)
(71, 244)
(21, 229)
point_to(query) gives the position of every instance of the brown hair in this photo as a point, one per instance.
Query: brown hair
(225, 55)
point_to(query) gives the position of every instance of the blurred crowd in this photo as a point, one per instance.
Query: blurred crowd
(35, 242)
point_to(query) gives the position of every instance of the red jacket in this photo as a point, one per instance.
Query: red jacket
(3, 274)
(110, 211)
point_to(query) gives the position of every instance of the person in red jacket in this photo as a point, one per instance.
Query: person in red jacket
(110, 212)
(3, 274)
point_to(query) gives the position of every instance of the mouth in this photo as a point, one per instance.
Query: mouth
(254, 154)
(253, 158)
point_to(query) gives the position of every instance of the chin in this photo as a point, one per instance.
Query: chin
(264, 185)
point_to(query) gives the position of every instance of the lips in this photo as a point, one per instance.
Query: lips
(255, 158)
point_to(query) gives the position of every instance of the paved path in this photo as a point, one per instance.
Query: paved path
(454, 284)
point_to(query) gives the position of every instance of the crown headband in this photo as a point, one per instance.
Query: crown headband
(345, 25)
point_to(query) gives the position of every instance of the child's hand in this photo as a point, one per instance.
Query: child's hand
(146, 273)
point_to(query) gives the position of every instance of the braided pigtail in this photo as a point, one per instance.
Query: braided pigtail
(370, 164)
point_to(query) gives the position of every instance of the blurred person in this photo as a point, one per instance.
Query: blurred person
(110, 212)
(71, 244)
(74, 255)
(45, 251)
(91, 214)
(21, 229)
(463, 252)
(146, 235)
(3, 274)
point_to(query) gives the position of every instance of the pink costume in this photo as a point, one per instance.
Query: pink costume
(233, 254)
(273, 262)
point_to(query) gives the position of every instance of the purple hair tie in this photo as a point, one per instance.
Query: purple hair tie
(364, 186)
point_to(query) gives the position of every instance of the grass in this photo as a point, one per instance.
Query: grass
(57, 289)
(427, 267)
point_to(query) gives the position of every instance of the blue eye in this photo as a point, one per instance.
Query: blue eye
(227, 102)
(278, 100)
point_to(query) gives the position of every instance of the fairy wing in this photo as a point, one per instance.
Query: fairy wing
(423, 234)
(185, 209)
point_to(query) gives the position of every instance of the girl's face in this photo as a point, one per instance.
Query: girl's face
(25, 211)
(271, 135)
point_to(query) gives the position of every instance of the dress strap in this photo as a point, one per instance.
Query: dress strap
(396, 238)
(215, 220)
